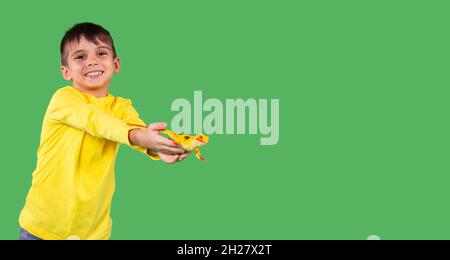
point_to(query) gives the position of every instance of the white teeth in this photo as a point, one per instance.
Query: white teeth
(94, 73)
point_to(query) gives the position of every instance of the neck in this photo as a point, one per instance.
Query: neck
(97, 92)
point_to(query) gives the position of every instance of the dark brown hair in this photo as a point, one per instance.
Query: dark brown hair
(91, 32)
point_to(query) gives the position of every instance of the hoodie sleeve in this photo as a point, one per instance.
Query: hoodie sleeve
(132, 116)
(68, 108)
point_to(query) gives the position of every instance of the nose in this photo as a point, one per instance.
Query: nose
(92, 62)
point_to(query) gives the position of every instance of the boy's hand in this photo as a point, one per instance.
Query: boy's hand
(168, 158)
(151, 139)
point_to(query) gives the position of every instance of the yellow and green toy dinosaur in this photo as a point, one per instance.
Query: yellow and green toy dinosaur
(187, 142)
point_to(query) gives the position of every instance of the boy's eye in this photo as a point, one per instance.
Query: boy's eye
(80, 57)
(102, 53)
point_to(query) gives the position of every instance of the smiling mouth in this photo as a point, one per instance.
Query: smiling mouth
(94, 74)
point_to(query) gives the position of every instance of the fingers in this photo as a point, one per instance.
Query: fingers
(158, 126)
(171, 150)
(161, 140)
(168, 158)
(182, 156)
(173, 159)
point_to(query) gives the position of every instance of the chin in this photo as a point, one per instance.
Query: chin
(91, 86)
(95, 86)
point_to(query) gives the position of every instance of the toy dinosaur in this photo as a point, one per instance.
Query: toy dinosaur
(188, 142)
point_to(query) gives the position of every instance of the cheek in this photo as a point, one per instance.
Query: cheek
(111, 68)
(77, 68)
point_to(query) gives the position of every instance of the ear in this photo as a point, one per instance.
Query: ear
(116, 65)
(65, 71)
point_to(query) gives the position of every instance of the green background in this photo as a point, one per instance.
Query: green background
(364, 104)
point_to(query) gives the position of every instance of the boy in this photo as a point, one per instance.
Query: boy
(73, 183)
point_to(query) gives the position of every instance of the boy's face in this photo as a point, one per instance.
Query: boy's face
(90, 66)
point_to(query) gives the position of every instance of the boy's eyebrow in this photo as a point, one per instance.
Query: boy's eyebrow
(98, 47)
(103, 47)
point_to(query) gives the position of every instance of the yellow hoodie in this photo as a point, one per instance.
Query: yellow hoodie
(73, 183)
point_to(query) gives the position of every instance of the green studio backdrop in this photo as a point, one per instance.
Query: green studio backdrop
(363, 88)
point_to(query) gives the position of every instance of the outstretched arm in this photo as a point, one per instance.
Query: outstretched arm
(138, 138)
(166, 150)
(67, 107)
(151, 139)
